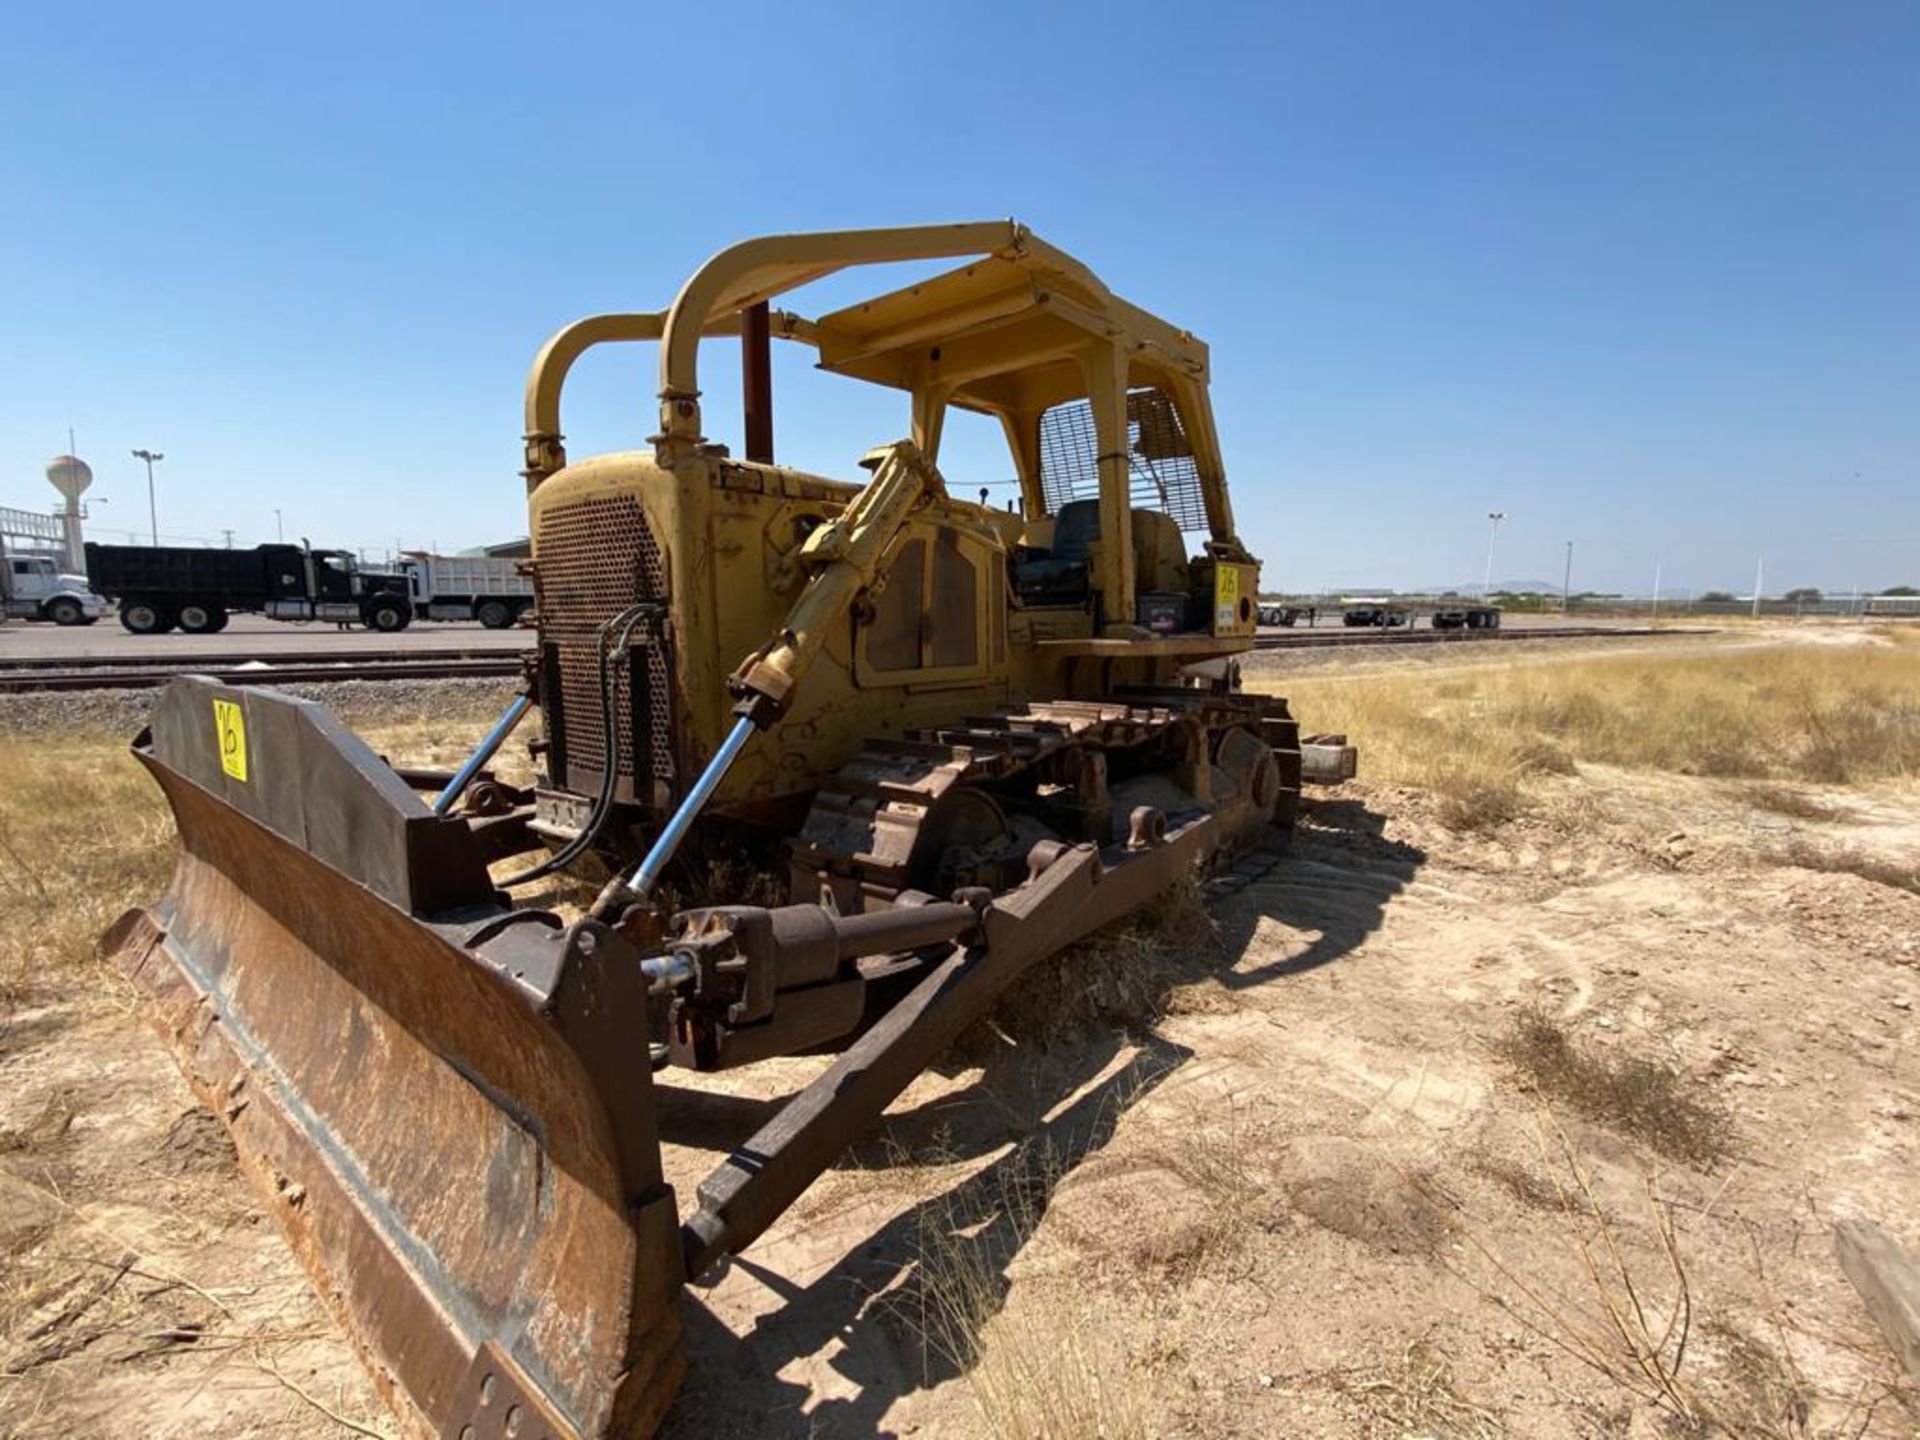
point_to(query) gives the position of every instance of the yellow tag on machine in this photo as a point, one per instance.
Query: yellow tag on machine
(230, 728)
(1226, 596)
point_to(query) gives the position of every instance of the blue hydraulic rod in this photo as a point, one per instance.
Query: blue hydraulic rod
(647, 876)
(496, 737)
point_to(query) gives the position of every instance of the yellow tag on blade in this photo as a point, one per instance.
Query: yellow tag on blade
(1226, 596)
(230, 725)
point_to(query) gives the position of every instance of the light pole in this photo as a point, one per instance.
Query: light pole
(1496, 516)
(1566, 581)
(153, 510)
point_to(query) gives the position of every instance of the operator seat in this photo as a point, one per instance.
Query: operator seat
(1062, 574)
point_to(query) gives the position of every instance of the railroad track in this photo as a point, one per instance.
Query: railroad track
(125, 672)
(307, 671)
(228, 660)
(1313, 639)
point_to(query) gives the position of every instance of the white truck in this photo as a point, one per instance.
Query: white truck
(467, 587)
(33, 587)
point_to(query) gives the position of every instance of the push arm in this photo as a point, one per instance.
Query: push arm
(843, 557)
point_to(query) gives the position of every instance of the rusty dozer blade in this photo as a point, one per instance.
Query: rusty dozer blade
(447, 1105)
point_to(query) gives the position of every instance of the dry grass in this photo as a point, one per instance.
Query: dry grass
(1845, 860)
(1221, 1166)
(1479, 739)
(1047, 1368)
(1045, 1365)
(1123, 976)
(1638, 1318)
(708, 874)
(1415, 1396)
(1639, 1097)
(1048, 1359)
(1793, 802)
(83, 835)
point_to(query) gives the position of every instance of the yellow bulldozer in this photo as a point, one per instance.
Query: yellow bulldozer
(953, 737)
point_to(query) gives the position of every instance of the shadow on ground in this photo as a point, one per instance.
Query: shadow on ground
(1330, 891)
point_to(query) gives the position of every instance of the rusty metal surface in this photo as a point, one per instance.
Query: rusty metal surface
(1075, 890)
(451, 1119)
(758, 982)
(1199, 777)
(866, 836)
(1329, 762)
(756, 381)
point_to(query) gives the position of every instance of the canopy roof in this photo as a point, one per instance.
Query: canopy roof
(1003, 331)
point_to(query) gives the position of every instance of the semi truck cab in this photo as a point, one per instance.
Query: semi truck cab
(330, 585)
(33, 587)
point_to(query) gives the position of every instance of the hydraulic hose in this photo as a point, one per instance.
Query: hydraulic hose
(610, 758)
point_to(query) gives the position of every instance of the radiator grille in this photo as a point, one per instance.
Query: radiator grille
(1160, 463)
(593, 559)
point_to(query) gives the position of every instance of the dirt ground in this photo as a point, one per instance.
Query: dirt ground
(1414, 1112)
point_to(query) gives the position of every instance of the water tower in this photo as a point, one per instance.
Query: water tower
(71, 476)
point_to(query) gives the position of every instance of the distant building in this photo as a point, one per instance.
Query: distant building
(520, 549)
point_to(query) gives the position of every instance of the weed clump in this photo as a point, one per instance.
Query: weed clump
(1122, 976)
(1640, 1097)
(1795, 804)
(1415, 1396)
(1845, 860)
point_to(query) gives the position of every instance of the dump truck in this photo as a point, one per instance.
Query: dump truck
(491, 589)
(951, 739)
(197, 588)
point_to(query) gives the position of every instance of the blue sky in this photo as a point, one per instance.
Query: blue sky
(1646, 277)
